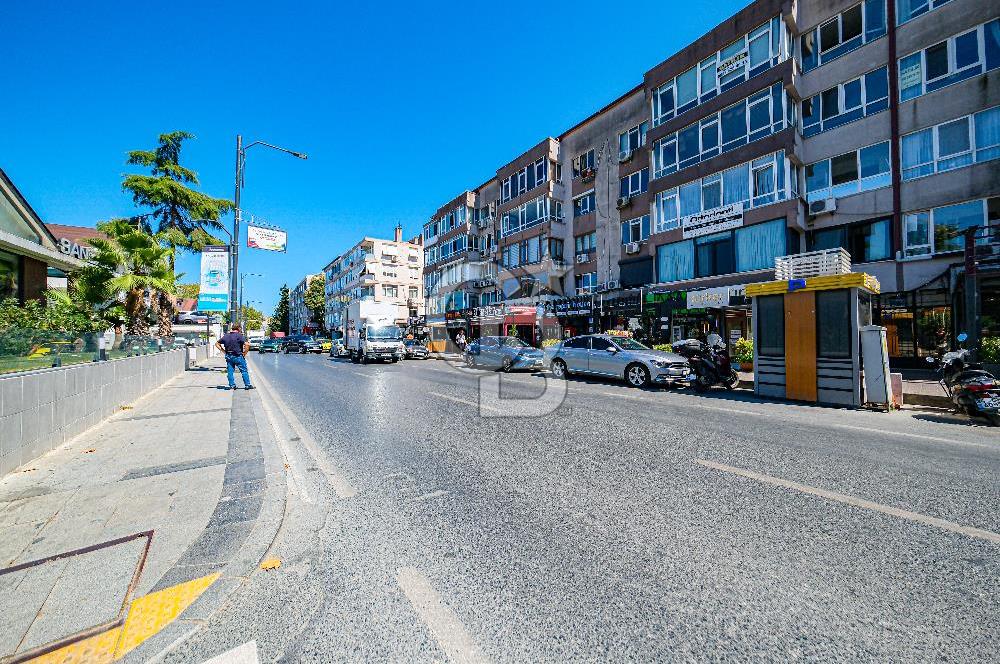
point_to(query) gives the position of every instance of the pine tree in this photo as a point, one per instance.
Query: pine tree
(315, 301)
(279, 320)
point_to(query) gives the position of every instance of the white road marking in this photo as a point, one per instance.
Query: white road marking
(337, 482)
(474, 404)
(430, 496)
(445, 625)
(295, 482)
(918, 436)
(857, 502)
(244, 654)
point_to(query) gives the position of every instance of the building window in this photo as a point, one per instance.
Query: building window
(842, 34)
(771, 325)
(910, 9)
(586, 242)
(849, 173)
(10, 275)
(583, 165)
(714, 255)
(631, 140)
(634, 183)
(972, 139)
(753, 118)
(941, 229)
(752, 54)
(530, 214)
(675, 261)
(847, 102)
(413, 293)
(586, 282)
(866, 241)
(950, 61)
(390, 291)
(758, 245)
(555, 249)
(584, 204)
(524, 180)
(531, 250)
(635, 230)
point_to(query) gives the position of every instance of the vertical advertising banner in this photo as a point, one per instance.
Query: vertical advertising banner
(214, 292)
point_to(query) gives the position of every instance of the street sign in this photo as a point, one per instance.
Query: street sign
(213, 294)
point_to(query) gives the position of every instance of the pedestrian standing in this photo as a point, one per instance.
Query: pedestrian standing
(235, 346)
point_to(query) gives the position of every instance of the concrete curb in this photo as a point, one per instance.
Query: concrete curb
(244, 562)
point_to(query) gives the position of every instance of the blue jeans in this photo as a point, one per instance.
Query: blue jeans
(237, 362)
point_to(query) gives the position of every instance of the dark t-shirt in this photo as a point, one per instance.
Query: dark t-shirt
(233, 343)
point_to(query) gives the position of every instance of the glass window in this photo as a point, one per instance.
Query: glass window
(760, 116)
(951, 221)
(874, 160)
(852, 94)
(988, 134)
(844, 168)
(734, 126)
(597, 343)
(688, 148)
(665, 210)
(817, 176)
(711, 192)
(10, 275)
(966, 50)
(918, 154)
(690, 199)
(736, 185)
(954, 144)
(936, 61)
(877, 85)
(687, 87)
(833, 324)
(916, 233)
(771, 325)
(831, 103)
(714, 255)
(758, 245)
(675, 262)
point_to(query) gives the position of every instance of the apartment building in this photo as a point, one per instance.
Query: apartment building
(379, 270)
(300, 320)
(873, 126)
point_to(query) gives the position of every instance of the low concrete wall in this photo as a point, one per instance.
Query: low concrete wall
(40, 410)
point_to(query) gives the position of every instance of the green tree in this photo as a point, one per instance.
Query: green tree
(315, 301)
(254, 318)
(182, 218)
(279, 320)
(188, 291)
(126, 266)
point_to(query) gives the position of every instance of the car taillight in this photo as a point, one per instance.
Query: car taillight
(980, 387)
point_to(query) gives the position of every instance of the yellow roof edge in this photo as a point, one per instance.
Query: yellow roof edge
(826, 282)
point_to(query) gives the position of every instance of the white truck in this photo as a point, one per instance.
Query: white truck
(371, 333)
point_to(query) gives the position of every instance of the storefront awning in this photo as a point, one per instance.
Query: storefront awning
(51, 257)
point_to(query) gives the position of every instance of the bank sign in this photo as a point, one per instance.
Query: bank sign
(213, 294)
(711, 221)
(70, 248)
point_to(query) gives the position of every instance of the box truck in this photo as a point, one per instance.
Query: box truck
(371, 333)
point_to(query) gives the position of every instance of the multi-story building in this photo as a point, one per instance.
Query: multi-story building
(873, 126)
(380, 270)
(300, 319)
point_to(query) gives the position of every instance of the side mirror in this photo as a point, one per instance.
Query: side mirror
(962, 337)
(611, 349)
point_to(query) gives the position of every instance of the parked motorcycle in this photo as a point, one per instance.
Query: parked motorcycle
(970, 387)
(710, 362)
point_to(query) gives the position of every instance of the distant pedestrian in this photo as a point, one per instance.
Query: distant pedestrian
(235, 346)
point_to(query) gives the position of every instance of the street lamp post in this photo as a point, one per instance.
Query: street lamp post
(234, 249)
(242, 318)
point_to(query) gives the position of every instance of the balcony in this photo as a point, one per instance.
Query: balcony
(812, 264)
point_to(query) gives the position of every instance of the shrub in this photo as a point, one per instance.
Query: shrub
(744, 351)
(667, 348)
(989, 350)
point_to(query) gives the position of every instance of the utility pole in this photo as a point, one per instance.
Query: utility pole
(234, 244)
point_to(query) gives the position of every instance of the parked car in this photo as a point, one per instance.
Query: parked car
(254, 343)
(616, 357)
(324, 345)
(339, 349)
(197, 318)
(302, 343)
(415, 350)
(270, 346)
(504, 353)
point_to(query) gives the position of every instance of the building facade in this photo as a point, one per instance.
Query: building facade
(379, 270)
(300, 319)
(790, 127)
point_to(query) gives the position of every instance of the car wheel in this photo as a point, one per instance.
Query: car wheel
(701, 383)
(559, 369)
(734, 380)
(637, 375)
(994, 419)
(354, 359)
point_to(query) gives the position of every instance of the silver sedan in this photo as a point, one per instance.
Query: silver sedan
(616, 357)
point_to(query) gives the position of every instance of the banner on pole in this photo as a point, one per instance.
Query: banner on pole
(213, 295)
(269, 239)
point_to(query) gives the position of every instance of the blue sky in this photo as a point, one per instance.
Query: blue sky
(400, 106)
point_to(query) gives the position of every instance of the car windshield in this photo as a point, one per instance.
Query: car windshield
(412, 342)
(514, 342)
(625, 343)
(387, 332)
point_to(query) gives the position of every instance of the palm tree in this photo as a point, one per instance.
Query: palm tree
(128, 265)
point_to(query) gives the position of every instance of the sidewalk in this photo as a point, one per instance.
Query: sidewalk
(186, 462)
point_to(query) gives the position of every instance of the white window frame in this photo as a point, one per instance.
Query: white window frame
(839, 19)
(931, 234)
(930, 4)
(952, 65)
(660, 222)
(637, 189)
(581, 197)
(844, 188)
(638, 133)
(635, 227)
(936, 158)
(841, 96)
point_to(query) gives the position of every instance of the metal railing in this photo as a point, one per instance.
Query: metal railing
(812, 264)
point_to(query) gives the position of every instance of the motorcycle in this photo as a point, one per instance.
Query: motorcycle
(970, 387)
(710, 362)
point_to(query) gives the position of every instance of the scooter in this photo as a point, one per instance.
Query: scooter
(710, 363)
(970, 387)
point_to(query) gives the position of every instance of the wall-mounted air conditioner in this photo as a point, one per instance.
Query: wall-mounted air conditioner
(632, 248)
(624, 202)
(582, 258)
(613, 284)
(625, 156)
(824, 206)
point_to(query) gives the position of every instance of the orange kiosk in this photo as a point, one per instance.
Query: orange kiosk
(807, 344)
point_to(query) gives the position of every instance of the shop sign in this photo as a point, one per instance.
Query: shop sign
(672, 299)
(75, 250)
(731, 64)
(709, 298)
(909, 76)
(711, 221)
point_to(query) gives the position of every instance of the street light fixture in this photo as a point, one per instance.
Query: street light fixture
(234, 252)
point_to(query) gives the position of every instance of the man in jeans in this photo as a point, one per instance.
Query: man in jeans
(235, 346)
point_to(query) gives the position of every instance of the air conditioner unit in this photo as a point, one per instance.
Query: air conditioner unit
(582, 258)
(624, 202)
(823, 207)
(625, 156)
(584, 290)
(613, 284)
(632, 248)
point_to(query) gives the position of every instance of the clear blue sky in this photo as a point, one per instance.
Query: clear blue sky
(400, 106)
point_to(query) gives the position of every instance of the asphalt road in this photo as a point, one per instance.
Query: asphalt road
(627, 525)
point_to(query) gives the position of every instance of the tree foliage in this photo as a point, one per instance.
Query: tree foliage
(315, 301)
(279, 320)
(181, 216)
(188, 291)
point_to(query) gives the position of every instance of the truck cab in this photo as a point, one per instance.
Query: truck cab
(371, 333)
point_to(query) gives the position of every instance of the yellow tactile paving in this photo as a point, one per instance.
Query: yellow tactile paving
(147, 615)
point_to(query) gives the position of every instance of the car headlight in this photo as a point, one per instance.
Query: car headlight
(662, 364)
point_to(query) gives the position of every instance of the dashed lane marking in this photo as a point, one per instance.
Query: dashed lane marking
(430, 496)
(337, 481)
(467, 402)
(445, 625)
(854, 501)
